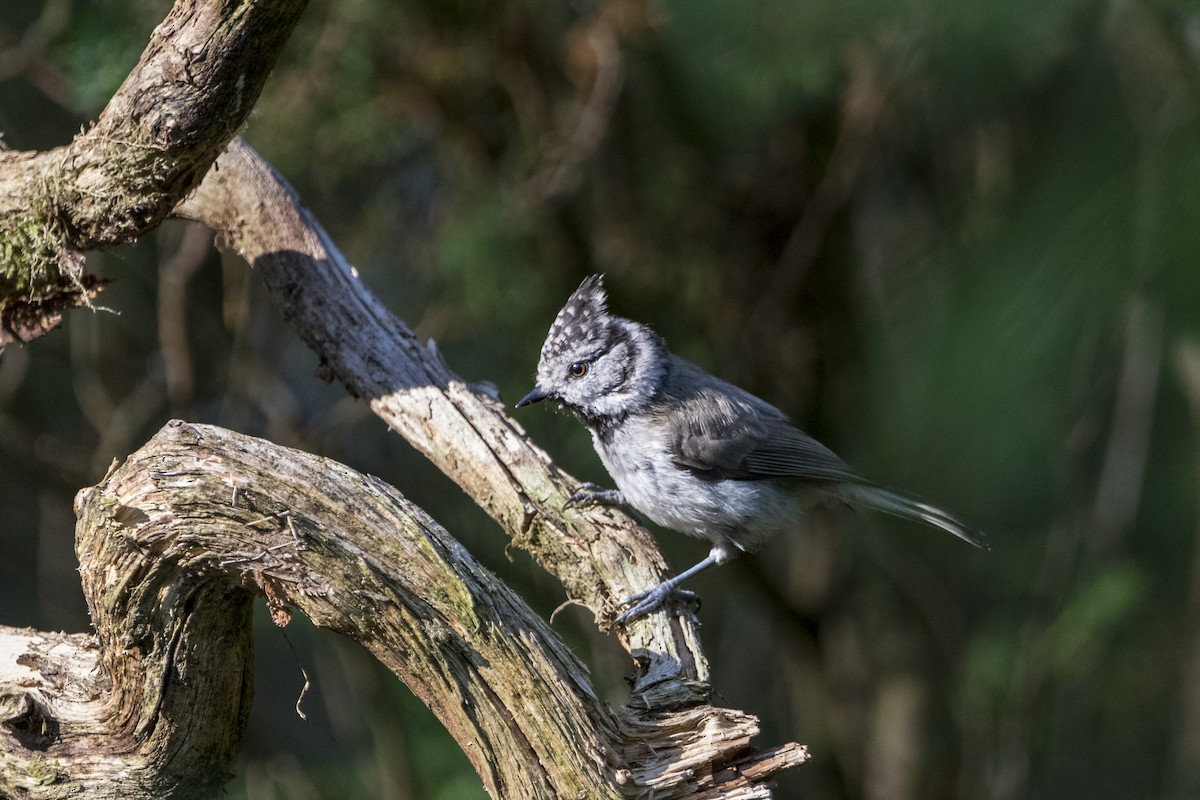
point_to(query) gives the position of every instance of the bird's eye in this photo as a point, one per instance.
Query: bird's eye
(578, 369)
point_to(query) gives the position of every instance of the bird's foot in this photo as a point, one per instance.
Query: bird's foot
(591, 494)
(685, 602)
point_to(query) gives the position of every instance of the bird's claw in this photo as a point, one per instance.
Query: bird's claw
(685, 601)
(591, 494)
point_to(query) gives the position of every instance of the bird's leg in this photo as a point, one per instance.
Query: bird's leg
(590, 493)
(656, 597)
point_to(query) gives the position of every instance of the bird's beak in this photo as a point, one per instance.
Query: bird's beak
(538, 394)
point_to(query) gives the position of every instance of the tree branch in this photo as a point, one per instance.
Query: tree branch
(192, 90)
(172, 546)
(174, 543)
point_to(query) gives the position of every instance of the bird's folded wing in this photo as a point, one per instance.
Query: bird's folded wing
(718, 438)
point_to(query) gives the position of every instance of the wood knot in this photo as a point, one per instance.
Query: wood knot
(33, 724)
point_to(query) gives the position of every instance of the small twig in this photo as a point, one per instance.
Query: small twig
(307, 684)
(571, 601)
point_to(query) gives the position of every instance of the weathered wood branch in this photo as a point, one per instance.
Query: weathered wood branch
(192, 90)
(173, 545)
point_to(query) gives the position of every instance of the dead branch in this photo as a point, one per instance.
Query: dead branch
(173, 546)
(192, 90)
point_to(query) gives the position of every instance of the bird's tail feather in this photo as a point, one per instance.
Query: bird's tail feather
(892, 502)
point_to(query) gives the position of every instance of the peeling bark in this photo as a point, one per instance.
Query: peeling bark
(173, 546)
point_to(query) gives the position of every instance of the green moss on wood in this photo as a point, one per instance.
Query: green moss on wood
(31, 251)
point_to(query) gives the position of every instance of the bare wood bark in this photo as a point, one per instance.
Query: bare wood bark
(174, 544)
(195, 85)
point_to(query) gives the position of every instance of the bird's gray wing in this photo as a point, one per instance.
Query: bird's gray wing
(718, 431)
(722, 432)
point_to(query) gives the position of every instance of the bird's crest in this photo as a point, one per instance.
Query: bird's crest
(579, 320)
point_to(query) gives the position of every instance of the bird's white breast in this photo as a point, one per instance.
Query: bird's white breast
(744, 513)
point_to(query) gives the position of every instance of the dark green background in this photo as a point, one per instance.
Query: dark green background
(957, 241)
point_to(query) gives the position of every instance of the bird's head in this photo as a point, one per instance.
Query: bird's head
(598, 365)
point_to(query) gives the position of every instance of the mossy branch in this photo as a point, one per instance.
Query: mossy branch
(191, 91)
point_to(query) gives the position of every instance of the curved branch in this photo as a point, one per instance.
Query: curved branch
(674, 742)
(174, 543)
(195, 85)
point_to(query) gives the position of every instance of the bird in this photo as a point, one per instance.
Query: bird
(691, 452)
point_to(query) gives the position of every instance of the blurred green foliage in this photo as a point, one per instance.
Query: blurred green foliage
(957, 241)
